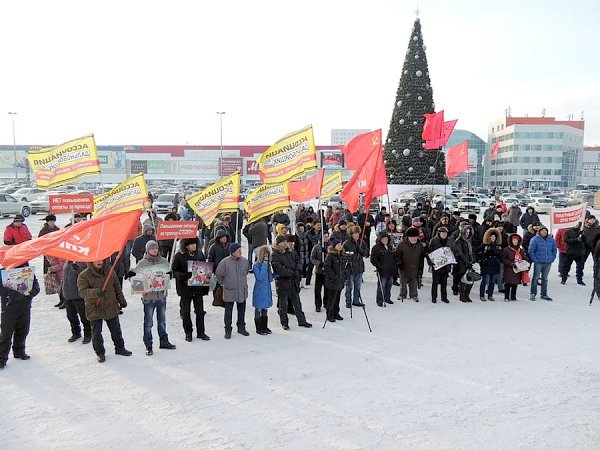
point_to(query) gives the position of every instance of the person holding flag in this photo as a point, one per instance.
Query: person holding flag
(354, 251)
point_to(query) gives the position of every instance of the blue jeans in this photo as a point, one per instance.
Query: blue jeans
(241, 312)
(540, 269)
(489, 280)
(161, 308)
(353, 281)
(386, 284)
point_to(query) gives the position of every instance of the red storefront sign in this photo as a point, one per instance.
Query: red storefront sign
(252, 167)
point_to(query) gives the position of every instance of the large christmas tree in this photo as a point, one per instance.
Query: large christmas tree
(406, 160)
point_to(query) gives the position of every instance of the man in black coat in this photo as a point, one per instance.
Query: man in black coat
(334, 280)
(189, 250)
(354, 251)
(528, 218)
(14, 321)
(576, 251)
(440, 276)
(385, 265)
(287, 282)
(139, 245)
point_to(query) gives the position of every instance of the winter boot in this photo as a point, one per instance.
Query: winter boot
(167, 346)
(265, 322)
(260, 326)
(87, 338)
(490, 298)
(123, 352)
(101, 358)
(149, 351)
(227, 333)
(242, 330)
(74, 337)
(188, 337)
(461, 291)
(468, 288)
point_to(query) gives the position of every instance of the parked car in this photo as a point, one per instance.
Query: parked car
(334, 201)
(449, 201)
(10, 205)
(469, 203)
(508, 201)
(27, 194)
(164, 203)
(484, 200)
(559, 200)
(412, 203)
(542, 205)
(42, 204)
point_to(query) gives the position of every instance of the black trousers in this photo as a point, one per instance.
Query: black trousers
(76, 313)
(282, 307)
(319, 281)
(14, 327)
(241, 313)
(439, 279)
(579, 264)
(115, 333)
(510, 291)
(185, 305)
(309, 272)
(332, 302)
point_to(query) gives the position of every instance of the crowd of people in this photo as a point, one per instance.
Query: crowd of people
(295, 249)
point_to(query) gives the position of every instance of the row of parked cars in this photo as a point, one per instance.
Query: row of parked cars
(27, 200)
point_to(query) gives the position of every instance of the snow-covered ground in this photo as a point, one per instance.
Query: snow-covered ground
(475, 376)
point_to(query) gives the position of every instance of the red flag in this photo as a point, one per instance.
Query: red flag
(364, 179)
(87, 241)
(302, 191)
(433, 127)
(495, 149)
(380, 186)
(457, 160)
(437, 143)
(359, 148)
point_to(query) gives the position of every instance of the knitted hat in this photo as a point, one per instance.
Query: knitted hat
(19, 217)
(442, 230)
(189, 241)
(50, 217)
(333, 242)
(234, 248)
(342, 222)
(412, 232)
(281, 238)
(150, 245)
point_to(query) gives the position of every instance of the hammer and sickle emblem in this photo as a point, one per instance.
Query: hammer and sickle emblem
(375, 140)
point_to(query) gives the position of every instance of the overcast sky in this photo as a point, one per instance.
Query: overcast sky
(156, 72)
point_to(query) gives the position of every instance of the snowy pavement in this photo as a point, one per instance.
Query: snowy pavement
(518, 375)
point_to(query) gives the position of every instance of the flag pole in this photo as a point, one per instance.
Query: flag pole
(110, 273)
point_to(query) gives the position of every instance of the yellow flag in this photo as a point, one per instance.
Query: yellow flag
(331, 185)
(55, 166)
(289, 157)
(222, 196)
(265, 200)
(129, 195)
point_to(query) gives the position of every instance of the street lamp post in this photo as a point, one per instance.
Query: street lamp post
(13, 114)
(220, 113)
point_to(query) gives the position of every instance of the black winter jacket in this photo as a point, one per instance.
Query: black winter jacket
(71, 272)
(181, 274)
(383, 260)
(357, 263)
(285, 271)
(333, 268)
(575, 242)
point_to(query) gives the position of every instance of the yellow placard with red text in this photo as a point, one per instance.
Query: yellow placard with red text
(219, 197)
(266, 200)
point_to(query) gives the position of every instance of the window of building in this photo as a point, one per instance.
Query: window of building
(547, 172)
(535, 171)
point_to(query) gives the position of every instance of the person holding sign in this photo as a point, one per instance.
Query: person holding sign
(441, 272)
(189, 250)
(154, 300)
(15, 319)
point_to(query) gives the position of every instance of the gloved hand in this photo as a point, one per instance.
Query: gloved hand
(130, 274)
(123, 304)
(100, 293)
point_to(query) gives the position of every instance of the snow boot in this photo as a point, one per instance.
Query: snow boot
(188, 337)
(227, 333)
(167, 346)
(123, 352)
(87, 338)
(101, 358)
(242, 330)
(74, 337)
(468, 288)
(461, 291)
(259, 326)
(265, 321)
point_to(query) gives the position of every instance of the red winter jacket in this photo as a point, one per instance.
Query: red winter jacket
(559, 237)
(16, 235)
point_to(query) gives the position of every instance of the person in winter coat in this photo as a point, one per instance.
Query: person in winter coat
(367, 222)
(561, 245)
(102, 304)
(139, 245)
(490, 213)
(74, 303)
(354, 250)
(154, 300)
(528, 218)
(287, 283)
(514, 214)
(166, 245)
(410, 256)
(189, 250)
(219, 249)
(542, 253)
(49, 227)
(303, 247)
(16, 232)
(317, 257)
(591, 232)
(334, 280)
(56, 266)
(335, 218)
(340, 231)
(576, 251)
(510, 256)
(15, 318)
(490, 254)
(465, 257)
(531, 231)
(280, 218)
(385, 265)
(444, 222)
(232, 274)
(440, 276)
(258, 234)
(262, 295)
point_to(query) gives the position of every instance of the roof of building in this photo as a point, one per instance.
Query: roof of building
(580, 124)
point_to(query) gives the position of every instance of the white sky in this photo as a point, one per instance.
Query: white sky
(156, 72)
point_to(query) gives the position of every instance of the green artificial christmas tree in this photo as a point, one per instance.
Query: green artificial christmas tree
(407, 162)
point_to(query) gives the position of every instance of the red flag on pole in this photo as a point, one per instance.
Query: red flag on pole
(457, 160)
(433, 127)
(302, 191)
(87, 241)
(437, 143)
(495, 149)
(360, 147)
(364, 179)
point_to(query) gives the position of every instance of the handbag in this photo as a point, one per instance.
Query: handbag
(218, 297)
(51, 283)
(473, 276)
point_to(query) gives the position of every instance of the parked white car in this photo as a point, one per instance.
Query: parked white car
(164, 203)
(469, 203)
(542, 205)
(42, 204)
(27, 194)
(10, 205)
(485, 200)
